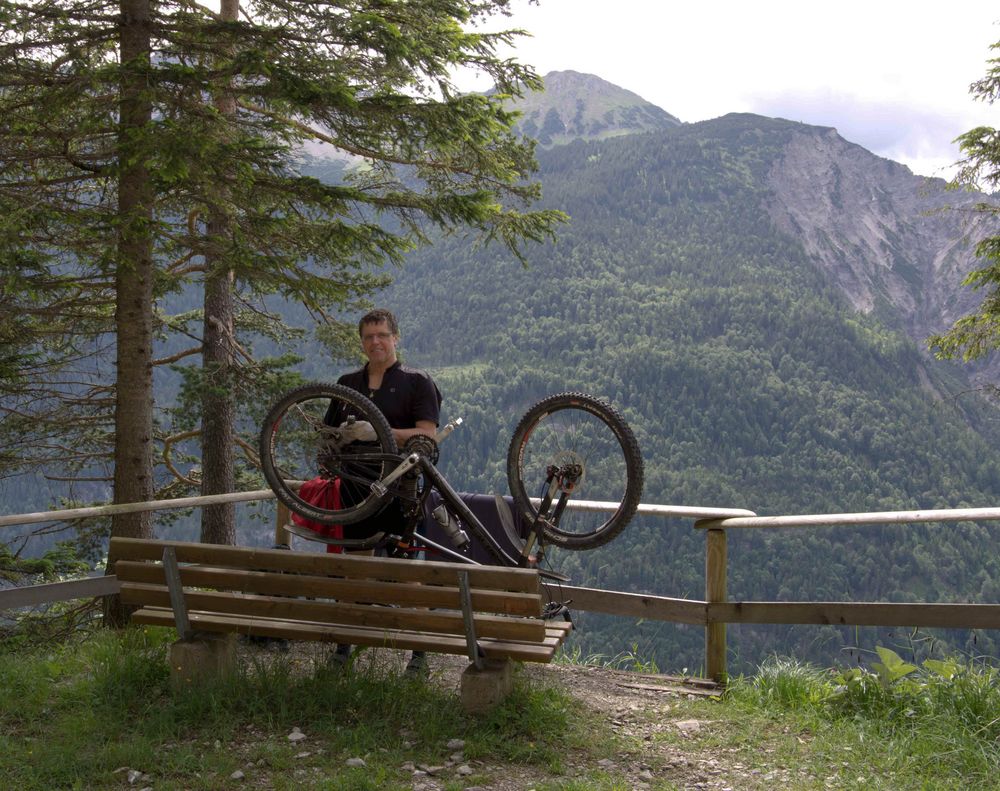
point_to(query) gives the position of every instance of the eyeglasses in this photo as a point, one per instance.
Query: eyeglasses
(380, 336)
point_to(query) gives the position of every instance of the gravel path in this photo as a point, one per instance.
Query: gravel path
(648, 711)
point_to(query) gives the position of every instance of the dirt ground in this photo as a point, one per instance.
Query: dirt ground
(637, 706)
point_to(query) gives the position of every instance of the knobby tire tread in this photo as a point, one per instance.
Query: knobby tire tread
(630, 450)
(367, 411)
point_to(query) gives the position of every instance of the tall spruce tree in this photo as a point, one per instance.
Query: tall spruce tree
(153, 146)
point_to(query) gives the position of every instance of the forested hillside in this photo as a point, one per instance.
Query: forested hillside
(750, 293)
(750, 379)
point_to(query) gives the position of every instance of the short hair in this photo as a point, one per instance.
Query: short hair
(377, 316)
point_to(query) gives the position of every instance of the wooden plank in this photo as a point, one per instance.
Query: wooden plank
(267, 494)
(677, 511)
(448, 622)
(557, 635)
(962, 616)
(33, 595)
(132, 508)
(676, 690)
(426, 571)
(559, 627)
(263, 627)
(632, 605)
(350, 590)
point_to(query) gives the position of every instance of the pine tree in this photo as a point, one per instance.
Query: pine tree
(154, 146)
(978, 333)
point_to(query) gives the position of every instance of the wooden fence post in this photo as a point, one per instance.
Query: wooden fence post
(715, 593)
(283, 517)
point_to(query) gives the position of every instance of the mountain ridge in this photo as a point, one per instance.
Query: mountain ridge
(578, 106)
(747, 373)
(892, 242)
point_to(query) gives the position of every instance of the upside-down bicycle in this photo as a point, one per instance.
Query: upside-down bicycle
(569, 445)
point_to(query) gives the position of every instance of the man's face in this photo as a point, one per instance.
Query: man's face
(378, 343)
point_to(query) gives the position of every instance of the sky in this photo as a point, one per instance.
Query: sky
(891, 76)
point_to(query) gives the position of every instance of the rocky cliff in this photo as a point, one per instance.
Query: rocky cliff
(896, 244)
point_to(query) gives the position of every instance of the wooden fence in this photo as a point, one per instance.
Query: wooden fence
(714, 612)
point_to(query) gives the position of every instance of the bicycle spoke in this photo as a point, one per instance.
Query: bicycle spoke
(584, 449)
(298, 445)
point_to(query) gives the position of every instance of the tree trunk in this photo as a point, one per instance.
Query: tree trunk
(133, 481)
(218, 522)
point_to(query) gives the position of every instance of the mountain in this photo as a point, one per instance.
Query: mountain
(577, 106)
(896, 245)
(752, 293)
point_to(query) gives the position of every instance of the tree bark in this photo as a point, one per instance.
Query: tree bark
(133, 480)
(218, 522)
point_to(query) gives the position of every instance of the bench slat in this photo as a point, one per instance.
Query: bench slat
(426, 571)
(365, 590)
(264, 627)
(335, 598)
(500, 627)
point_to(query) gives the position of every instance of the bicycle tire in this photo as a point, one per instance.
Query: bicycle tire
(588, 431)
(295, 445)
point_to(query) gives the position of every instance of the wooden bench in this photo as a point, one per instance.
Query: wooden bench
(486, 612)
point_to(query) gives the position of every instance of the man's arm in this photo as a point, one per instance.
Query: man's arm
(426, 427)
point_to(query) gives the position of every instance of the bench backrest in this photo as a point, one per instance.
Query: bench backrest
(295, 593)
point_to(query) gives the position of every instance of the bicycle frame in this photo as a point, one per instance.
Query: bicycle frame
(567, 444)
(417, 463)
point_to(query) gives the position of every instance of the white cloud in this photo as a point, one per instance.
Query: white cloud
(890, 75)
(914, 135)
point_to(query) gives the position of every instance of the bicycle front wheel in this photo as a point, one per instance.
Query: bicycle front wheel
(574, 431)
(302, 438)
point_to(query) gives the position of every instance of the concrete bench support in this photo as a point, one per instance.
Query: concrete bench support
(486, 685)
(204, 657)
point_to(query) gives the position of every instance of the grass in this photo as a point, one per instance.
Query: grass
(71, 715)
(896, 726)
(83, 713)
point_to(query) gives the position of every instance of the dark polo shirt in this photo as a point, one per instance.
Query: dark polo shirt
(405, 396)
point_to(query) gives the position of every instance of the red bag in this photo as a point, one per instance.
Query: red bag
(323, 493)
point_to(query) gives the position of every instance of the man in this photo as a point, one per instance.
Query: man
(411, 403)
(408, 397)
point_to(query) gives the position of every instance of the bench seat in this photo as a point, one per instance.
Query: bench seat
(407, 604)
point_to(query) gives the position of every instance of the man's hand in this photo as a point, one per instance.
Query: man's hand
(355, 431)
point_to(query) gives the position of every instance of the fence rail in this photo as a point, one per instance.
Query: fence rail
(714, 612)
(854, 520)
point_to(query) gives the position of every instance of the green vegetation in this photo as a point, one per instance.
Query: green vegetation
(72, 715)
(85, 713)
(748, 379)
(978, 334)
(896, 726)
(152, 147)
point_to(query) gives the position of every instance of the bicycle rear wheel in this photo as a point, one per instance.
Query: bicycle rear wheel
(577, 432)
(297, 444)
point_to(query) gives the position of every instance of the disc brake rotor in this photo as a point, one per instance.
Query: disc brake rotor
(572, 470)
